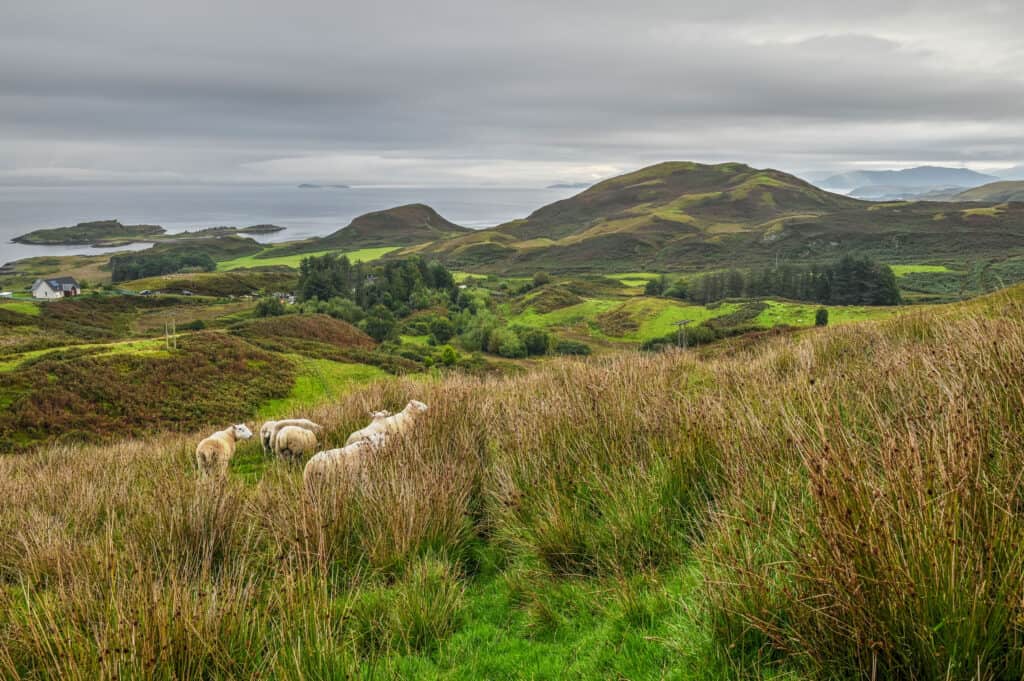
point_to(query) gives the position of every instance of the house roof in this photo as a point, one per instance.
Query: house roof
(58, 283)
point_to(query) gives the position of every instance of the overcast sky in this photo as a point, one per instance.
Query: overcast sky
(516, 93)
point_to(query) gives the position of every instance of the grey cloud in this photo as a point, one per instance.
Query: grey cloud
(248, 90)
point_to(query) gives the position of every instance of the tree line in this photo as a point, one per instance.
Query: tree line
(130, 266)
(850, 280)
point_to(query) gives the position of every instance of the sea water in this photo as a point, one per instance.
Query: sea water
(303, 212)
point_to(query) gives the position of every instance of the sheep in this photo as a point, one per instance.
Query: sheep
(269, 429)
(396, 424)
(214, 452)
(294, 441)
(346, 460)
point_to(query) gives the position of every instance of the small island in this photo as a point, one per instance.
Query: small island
(90, 234)
(306, 185)
(110, 233)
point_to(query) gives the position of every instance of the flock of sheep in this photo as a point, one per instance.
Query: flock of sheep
(296, 438)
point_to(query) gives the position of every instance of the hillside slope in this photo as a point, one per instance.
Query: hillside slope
(691, 216)
(843, 504)
(995, 192)
(407, 225)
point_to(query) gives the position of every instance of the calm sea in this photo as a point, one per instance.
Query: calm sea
(304, 212)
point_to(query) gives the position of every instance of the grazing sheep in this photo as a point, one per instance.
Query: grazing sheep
(294, 441)
(213, 453)
(396, 424)
(269, 429)
(345, 460)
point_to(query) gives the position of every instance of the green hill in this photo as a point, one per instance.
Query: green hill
(995, 192)
(400, 226)
(689, 216)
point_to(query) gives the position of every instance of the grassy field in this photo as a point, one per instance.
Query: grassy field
(656, 317)
(318, 381)
(21, 306)
(362, 255)
(633, 278)
(903, 270)
(835, 505)
(802, 314)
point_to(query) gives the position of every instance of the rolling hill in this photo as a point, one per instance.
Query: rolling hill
(995, 192)
(688, 216)
(400, 226)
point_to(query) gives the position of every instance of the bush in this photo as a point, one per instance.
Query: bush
(541, 279)
(194, 325)
(571, 347)
(448, 356)
(821, 317)
(442, 329)
(505, 343)
(270, 307)
(536, 341)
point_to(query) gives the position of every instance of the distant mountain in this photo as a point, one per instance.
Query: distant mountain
(570, 185)
(921, 178)
(886, 193)
(323, 186)
(690, 217)
(400, 226)
(1014, 173)
(996, 192)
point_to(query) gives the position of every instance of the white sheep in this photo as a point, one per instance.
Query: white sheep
(347, 460)
(395, 424)
(294, 441)
(214, 452)
(269, 429)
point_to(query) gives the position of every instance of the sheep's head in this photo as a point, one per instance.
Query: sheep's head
(242, 431)
(416, 407)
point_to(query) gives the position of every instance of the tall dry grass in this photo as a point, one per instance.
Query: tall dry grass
(852, 496)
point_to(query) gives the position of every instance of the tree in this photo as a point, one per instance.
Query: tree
(821, 317)
(541, 279)
(655, 287)
(379, 323)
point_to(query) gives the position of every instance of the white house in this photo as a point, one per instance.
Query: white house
(58, 287)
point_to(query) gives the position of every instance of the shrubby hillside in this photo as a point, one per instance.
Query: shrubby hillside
(841, 504)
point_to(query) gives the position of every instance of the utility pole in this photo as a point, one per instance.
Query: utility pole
(681, 334)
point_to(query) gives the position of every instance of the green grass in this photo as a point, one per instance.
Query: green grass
(578, 629)
(21, 306)
(414, 340)
(655, 316)
(802, 314)
(566, 316)
(148, 347)
(633, 278)
(903, 270)
(361, 255)
(319, 380)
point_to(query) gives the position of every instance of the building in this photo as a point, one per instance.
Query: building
(58, 287)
